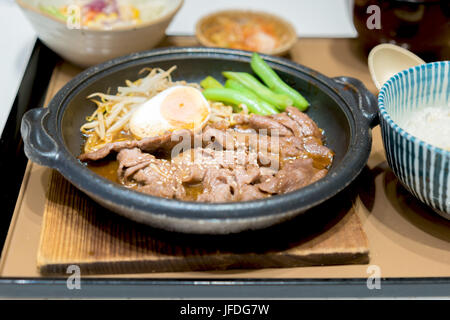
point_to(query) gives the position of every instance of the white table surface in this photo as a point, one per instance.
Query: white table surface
(311, 18)
(16, 44)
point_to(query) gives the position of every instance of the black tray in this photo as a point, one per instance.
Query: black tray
(31, 95)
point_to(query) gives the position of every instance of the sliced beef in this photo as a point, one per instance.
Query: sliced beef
(257, 143)
(225, 163)
(159, 179)
(292, 122)
(219, 185)
(218, 139)
(107, 150)
(220, 125)
(208, 157)
(294, 175)
(191, 168)
(321, 155)
(226, 185)
(250, 192)
(133, 157)
(248, 175)
(308, 126)
(267, 159)
(183, 139)
(148, 174)
(241, 119)
(272, 126)
(165, 142)
(130, 161)
(193, 174)
(291, 147)
(289, 123)
(221, 179)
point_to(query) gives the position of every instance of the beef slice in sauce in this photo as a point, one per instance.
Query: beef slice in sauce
(258, 157)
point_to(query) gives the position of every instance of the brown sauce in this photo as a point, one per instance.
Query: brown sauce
(105, 168)
(108, 169)
(193, 191)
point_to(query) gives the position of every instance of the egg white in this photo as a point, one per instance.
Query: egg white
(176, 108)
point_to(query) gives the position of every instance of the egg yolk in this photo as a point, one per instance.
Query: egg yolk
(184, 108)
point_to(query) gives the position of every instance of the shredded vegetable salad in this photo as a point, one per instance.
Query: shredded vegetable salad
(109, 13)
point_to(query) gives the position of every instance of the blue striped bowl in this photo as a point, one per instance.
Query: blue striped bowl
(422, 168)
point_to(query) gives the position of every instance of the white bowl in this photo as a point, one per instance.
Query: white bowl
(422, 168)
(86, 47)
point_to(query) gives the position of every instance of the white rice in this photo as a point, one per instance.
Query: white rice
(430, 124)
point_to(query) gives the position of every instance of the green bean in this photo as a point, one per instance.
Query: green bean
(251, 83)
(234, 97)
(275, 83)
(233, 84)
(210, 82)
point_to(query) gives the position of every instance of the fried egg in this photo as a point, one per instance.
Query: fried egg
(176, 108)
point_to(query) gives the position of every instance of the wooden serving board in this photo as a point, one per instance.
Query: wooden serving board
(77, 231)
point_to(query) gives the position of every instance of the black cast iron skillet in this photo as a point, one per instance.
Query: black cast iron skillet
(341, 106)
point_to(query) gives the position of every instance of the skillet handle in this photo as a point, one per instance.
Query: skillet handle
(39, 146)
(357, 92)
